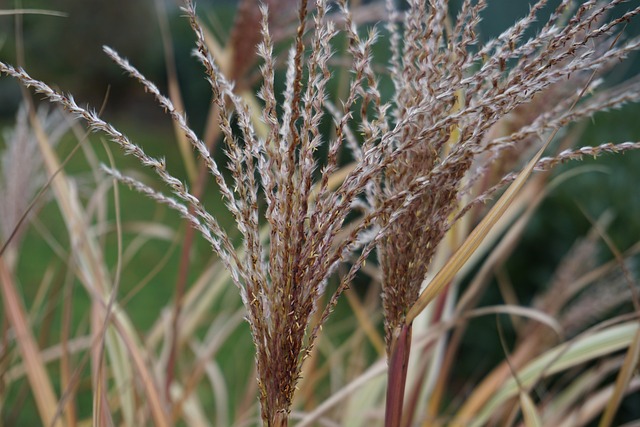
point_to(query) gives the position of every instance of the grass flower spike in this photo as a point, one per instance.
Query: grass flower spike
(462, 119)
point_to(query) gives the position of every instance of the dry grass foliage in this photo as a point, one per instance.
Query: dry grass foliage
(463, 118)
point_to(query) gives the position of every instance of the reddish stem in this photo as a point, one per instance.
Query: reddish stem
(412, 402)
(397, 377)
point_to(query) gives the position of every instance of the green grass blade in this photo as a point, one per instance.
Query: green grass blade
(558, 359)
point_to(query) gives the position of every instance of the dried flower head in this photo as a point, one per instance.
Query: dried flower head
(413, 161)
(459, 92)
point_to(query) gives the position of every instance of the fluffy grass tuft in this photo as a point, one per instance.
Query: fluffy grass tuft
(462, 119)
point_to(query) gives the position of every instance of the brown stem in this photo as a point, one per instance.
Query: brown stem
(412, 400)
(397, 376)
(280, 419)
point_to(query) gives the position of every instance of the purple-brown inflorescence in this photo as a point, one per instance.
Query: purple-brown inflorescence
(461, 91)
(417, 155)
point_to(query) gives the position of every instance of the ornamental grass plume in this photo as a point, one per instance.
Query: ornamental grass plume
(20, 168)
(418, 156)
(462, 92)
(280, 283)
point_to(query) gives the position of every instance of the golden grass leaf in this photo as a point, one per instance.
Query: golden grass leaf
(529, 411)
(41, 387)
(622, 382)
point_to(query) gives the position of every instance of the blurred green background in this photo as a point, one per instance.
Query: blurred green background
(66, 52)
